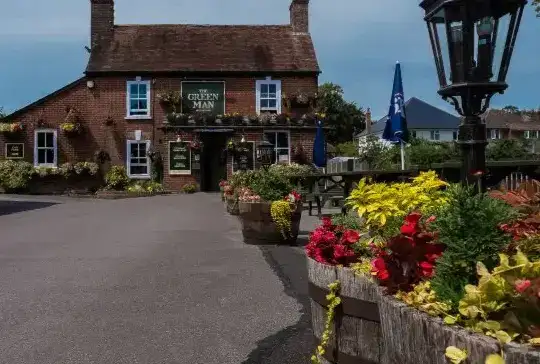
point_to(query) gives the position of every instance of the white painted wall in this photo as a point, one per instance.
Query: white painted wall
(444, 135)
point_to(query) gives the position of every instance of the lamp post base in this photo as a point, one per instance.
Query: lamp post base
(472, 140)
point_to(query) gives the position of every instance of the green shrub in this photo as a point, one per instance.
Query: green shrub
(349, 221)
(117, 178)
(15, 175)
(423, 152)
(508, 149)
(290, 170)
(189, 188)
(347, 149)
(144, 186)
(469, 228)
(270, 186)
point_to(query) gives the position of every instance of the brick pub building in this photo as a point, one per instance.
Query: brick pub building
(183, 91)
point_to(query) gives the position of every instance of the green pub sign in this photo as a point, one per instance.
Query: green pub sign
(179, 158)
(14, 150)
(203, 97)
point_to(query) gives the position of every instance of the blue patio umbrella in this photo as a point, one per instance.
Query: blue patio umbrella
(319, 147)
(395, 130)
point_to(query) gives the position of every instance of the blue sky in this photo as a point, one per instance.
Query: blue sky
(357, 42)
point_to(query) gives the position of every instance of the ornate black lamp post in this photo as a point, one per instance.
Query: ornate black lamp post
(465, 35)
(265, 152)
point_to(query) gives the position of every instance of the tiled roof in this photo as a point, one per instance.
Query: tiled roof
(205, 48)
(501, 119)
(421, 115)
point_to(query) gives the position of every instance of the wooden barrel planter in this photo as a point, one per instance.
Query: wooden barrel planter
(232, 206)
(356, 334)
(259, 228)
(413, 337)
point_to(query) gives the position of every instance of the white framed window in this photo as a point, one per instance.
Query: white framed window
(495, 134)
(282, 145)
(413, 133)
(138, 163)
(531, 134)
(45, 148)
(435, 135)
(268, 94)
(454, 135)
(138, 99)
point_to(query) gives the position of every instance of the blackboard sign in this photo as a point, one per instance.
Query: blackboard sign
(179, 158)
(195, 160)
(14, 150)
(244, 158)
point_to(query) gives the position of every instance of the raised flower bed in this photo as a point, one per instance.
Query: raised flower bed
(455, 276)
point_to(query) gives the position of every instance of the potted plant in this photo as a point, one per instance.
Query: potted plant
(269, 209)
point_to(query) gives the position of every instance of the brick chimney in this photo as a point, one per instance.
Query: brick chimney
(101, 22)
(299, 11)
(368, 121)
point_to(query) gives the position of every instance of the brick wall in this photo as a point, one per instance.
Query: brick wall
(108, 100)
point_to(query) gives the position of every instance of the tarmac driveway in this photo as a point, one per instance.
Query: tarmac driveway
(148, 280)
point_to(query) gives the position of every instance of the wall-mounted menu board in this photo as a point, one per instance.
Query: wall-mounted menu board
(179, 158)
(244, 158)
(14, 151)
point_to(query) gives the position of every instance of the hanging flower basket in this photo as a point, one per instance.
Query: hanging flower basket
(195, 145)
(72, 129)
(11, 130)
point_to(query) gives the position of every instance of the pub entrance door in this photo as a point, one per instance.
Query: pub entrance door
(213, 161)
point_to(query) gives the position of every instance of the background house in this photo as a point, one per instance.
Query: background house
(512, 124)
(214, 80)
(423, 120)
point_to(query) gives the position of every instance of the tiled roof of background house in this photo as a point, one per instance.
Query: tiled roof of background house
(421, 115)
(501, 119)
(205, 48)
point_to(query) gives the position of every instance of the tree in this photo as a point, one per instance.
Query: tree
(536, 4)
(2, 113)
(344, 117)
(511, 108)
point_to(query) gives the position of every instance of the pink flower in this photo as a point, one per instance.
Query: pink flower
(521, 285)
(430, 219)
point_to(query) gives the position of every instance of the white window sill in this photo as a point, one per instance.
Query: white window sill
(139, 176)
(45, 166)
(139, 117)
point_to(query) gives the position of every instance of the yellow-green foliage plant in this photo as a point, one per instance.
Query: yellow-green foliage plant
(379, 202)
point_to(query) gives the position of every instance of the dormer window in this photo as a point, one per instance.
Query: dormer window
(268, 96)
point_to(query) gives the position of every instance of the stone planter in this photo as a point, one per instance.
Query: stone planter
(356, 334)
(413, 337)
(232, 206)
(259, 228)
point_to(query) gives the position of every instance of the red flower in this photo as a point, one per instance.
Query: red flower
(427, 269)
(410, 227)
(326, 222)
(350, 237)
(379, 269)
(522, 285)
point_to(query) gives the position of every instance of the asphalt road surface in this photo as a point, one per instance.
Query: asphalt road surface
(148, 280)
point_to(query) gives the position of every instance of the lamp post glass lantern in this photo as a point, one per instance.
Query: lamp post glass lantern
(265, 152)
(472, 42)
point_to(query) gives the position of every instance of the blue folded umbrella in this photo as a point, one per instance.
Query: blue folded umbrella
(319, 147)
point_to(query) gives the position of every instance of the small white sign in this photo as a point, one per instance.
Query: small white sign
(283, 158)
(138, 135)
